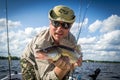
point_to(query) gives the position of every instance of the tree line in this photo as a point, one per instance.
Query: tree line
(12, 57)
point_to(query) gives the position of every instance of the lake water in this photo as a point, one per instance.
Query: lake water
(109, 71)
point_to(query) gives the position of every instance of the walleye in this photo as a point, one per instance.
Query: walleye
(55, 52)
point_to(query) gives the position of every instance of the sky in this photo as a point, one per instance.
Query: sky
(99, 21)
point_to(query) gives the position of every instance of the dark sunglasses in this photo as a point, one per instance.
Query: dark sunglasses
(64, 25)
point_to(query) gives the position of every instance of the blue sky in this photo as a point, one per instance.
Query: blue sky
(99, 37)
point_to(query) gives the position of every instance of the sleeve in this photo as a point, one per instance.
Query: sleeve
(45, 72)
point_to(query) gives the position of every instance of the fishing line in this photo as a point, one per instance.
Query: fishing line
(79, 14)
(80, 25)
(80, 28)
(84, 16)
(8, 50)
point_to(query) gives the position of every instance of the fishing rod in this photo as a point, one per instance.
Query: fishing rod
(79, 13)
(84, 16)
(8, 49)
(79, 17)
(80, 25)
(98, 70)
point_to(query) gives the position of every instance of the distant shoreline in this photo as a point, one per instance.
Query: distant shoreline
(18, 58)
(101, 61)
(12, 58)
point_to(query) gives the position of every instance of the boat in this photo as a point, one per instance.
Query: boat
(14, 76)
(18, 76)
(73, 76)
(78, 76)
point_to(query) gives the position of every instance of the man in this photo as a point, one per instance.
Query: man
(38, 61)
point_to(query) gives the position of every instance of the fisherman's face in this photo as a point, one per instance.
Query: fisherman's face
(59, 30)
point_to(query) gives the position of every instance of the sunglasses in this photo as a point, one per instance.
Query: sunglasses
(64, 25)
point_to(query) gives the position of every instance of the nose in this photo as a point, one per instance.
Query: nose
(59, 27)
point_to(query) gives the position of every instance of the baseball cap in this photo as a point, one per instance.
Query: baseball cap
(62, 13)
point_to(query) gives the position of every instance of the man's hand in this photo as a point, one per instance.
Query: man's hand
(78, 63)
(62, 67)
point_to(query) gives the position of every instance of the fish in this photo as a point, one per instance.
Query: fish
(54, 53)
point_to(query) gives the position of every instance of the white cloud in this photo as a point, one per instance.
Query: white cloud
(102, 55)
(2, 24)
(111, 23)
(18, 39)
(96, 25)
(21, 38)
(14, 23)
(112, 37)
(104, 46)
(101, 47)
(76, 26)
(107, 25)
(10, 24)
(90, 40)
